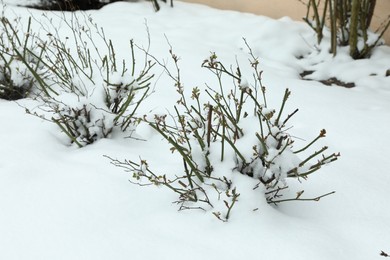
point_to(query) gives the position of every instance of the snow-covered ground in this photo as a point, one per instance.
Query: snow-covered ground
(61, 202)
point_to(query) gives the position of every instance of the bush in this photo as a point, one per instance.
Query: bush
(86, 89)
(223, 130)
(349, 24)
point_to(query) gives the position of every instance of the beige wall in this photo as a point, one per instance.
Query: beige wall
(293, 8)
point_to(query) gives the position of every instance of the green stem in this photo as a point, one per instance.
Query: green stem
(181, 150)
(285, 97)
(322, 134)
(313, 155)
(299, 199)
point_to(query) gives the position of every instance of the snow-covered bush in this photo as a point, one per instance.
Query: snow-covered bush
(235, 125)
(111, 92)
(349, 22)
(82, 85)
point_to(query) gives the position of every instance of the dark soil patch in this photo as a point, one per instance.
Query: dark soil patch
(12, 93)
(306, 73)
(74, 5)
(329, 82)
(335, 81)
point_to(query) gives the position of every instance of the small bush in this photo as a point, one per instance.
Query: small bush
(235, 125)
(87, 89)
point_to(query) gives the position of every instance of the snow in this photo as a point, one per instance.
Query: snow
(62, 202)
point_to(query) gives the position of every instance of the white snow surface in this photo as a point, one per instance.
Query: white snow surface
(61, 202)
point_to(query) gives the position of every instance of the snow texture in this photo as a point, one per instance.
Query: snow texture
(61, 202)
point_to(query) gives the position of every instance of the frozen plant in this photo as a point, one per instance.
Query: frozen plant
(237, 126)
(108, 92)
(273, 157)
